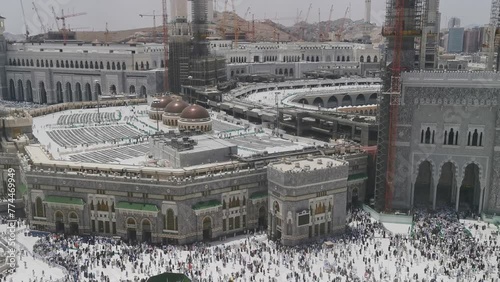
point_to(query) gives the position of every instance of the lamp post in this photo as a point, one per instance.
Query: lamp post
(98, 104)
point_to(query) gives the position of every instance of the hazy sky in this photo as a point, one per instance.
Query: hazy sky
(124, 14)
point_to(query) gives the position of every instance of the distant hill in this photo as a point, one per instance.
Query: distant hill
(13, 37)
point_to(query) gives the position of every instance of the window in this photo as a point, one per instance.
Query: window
(144, 195)
(475, 137)
(169, 198)
(450, 135)
(303, 219)
(170, 220)
(101, 192)
(130, 194)
(205, 193)
(58, 188)
(427, 134)
(321, 194)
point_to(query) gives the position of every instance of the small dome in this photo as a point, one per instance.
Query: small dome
(162, 102)
(195, 112)
(176, 106)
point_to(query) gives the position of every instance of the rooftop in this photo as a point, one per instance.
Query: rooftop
(307, 164)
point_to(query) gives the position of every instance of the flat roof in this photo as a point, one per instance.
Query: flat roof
(313, 163)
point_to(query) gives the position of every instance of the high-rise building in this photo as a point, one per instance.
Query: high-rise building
(494, 29)
(455, 40)
(472, 41)
(179, 9)
(431, 19)
(453, 22)
(368, 10)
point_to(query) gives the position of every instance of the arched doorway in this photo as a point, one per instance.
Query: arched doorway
(373, 99)
(59, 219)
(69, 92)
(39, 209)
(360, 100)
(303, 101)
(422, 188)
(29, 91)
(88, 92)
(354, 197)
(42, 92)
(347, 101)
(332, 102)
(12, 90)
(73, 223)
(143, 91)
(146, 231)
(446, 188)
(470, 190)
(132, 89)
(59, 92)
(318, 102)
(98, 90)
(20, 91)
(78, 92)
(112, 89)
(131, 230)
(207, 228)
(262, 218)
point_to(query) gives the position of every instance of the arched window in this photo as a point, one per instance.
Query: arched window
(428, 136)
(475, 138)
(113, 66)
(91, 64)
(451, 136)
(343, 58)
(37, 63)
(362, 59)
(87, 64)
(23, 63)
(101, 65)
(57, 63)
(67, 64)
(76, 65)
(348, 58)
(118, 66)
(170, 220)
(71, 64)
(124, 66)
(108, 66)
(375, 59)
(136, 66)
(368, 59)
(81, 64)
(39, 209)
(31, 62)
(142, 65)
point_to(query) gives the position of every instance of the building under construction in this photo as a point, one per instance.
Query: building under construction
(412, 15)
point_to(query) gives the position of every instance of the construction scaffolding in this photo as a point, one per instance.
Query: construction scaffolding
(493, 33)
(403, 25)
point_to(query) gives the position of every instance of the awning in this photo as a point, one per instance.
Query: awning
(64, 200)
(137, 206)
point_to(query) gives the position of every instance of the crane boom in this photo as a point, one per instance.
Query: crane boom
(342, 25)
(24, 19)
(56, 19)
(42, 26)
(329, 23)
(155, 34)
(235, 25)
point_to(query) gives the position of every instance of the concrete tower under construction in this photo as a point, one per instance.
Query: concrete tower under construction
(493, 34)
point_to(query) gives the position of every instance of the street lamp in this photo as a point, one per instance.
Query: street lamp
(96, 82)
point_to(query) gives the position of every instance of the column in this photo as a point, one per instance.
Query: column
(481, 200)
(457, 196)
(434, 196)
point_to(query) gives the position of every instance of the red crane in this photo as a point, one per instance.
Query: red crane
(165, 43)
(342, 25)
(395, 93)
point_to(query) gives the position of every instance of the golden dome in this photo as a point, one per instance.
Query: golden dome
(195, 112)
(176, 106)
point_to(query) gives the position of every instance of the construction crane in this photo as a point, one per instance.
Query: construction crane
(165, 43)
(24, 19)
(340, 32)
(303, 30)
(248, 22)
(106, 35)
(235, 25)
(328, 26)
(63, 18)
(222, 26)
(42, 26)
(155, 34)
(395, 94)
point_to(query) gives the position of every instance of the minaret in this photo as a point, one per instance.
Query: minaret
(3, 61)
(368, 10)
(179, 9)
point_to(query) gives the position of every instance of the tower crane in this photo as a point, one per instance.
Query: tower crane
(153, 15)
(245, 18)
(63, 18)
(42, 26)
(328, 26)
(25, 24)
(342, 25)
(222, 26)
(307, 17)
(235, 25)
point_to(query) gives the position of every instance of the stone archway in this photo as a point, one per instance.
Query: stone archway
(347, 101)
(262, 218)
(373, 99)
(332, 102)
(12, 90)
(69, 92)
(143, 91)
(78, 92)
(59, 220)
(59, 92)
(422, 189)
(303, 101)
(29, 91)
(88, 92)
(318, 102)
(132, 89)
(146, 230)
(470, 189)
(131, 230)
(447, 186)
(42, 92)
(360, 100)
(207, 228)
(20, 91)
